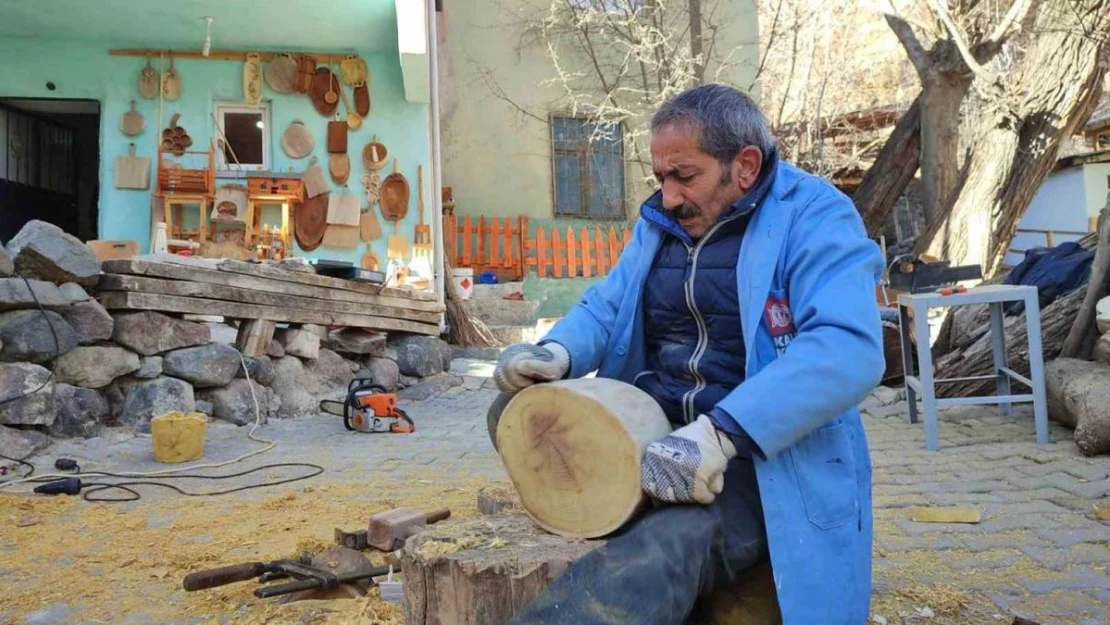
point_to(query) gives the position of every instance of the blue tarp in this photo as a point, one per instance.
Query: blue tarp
(1054, 271)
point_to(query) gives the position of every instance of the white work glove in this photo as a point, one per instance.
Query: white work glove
(687, 465)
(524, 364)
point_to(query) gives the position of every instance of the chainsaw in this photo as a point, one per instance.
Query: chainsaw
(369, 408)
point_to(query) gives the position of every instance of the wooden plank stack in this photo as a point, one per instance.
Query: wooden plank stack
(248, 291)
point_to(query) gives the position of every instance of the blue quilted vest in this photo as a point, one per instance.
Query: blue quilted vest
(695, 347)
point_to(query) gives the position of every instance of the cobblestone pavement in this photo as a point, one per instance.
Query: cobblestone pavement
(1038, 551)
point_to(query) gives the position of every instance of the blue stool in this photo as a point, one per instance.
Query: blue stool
(924, 384)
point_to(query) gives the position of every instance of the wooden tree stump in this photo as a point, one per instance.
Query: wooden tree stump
(572, 450)
(482, 572)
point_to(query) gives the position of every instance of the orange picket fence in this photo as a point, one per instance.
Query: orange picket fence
(507, 246)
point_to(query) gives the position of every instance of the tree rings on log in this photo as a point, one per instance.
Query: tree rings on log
(572, 450)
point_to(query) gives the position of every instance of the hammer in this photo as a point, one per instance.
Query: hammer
(388, 530)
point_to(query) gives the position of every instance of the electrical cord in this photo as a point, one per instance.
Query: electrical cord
(30, 466)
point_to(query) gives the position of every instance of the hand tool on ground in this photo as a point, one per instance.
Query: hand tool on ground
(306, 576)
(370, 408)
(388, 530)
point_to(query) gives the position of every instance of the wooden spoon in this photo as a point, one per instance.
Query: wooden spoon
(331, 97)
(354, 121)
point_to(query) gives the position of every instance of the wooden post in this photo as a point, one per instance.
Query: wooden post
(572, 256)
(1081, 338)
(599, 252)
(467, 231)
(557, 258)
(254, 337)
(614, 247)
(587, 262)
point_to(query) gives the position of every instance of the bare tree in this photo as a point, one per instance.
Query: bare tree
(1051, 92)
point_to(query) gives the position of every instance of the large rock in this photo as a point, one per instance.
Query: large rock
(90, 321)
(275, 350)
(260, 369)
(150, 333)
(6, 264)
(35, 386)
(421, 356)
(1079, 397)
(383, 371)
(81, 411)
(149, 368)
(22, 444)
(43, 250)
(15, 295)
(205, 366)
(73, 292)
(290, 385)
(34, 336)
(95, 366)
(330, 369)
(356, 341)
(235, 402)
(302, 343)
(430, 387)
(151, 398)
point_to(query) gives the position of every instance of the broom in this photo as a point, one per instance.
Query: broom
(464, 329)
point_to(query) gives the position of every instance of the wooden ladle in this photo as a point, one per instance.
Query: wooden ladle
(331, 97)
(354, 120)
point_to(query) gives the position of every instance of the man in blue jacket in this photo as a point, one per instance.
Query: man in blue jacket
(745, 305)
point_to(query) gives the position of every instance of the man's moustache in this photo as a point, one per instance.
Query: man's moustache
(685, 211)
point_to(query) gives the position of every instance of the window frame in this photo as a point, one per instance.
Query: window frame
(224, 107)
(584, 183)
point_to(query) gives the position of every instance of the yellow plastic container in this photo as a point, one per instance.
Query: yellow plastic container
(178, 437)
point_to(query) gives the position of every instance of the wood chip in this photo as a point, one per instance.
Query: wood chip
(956, 514)
(1102, 512)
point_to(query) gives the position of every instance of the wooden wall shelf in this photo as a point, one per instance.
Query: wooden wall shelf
(330, 58)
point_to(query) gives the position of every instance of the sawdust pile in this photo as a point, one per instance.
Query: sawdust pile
(132, 557)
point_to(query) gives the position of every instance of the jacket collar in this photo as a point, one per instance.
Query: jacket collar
(652, 208)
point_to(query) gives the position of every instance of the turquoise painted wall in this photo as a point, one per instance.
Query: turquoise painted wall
(87, 71)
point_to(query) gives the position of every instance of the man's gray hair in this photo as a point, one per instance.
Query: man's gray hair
(726, 117)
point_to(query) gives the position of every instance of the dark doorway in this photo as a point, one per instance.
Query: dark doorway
(49, 165)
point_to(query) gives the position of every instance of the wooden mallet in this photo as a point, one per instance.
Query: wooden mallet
(388, 530)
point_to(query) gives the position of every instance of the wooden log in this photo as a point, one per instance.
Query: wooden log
(119, 300)
(572, 450)
(1081, 338)
(188, 288)
(254, 337)
(210, 275)
(482, 572)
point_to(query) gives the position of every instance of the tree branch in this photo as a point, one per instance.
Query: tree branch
(1006, 27)
(957, 35)
(914, 50)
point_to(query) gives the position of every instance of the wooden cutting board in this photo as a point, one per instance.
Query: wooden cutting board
(252, 80)
(132, 172)
(314, 181)
(297, 141)
(323, 81)
(369, 228)
(148, 81)
(341, 236)
(281, 72)
(132, 122)
(171, 83)
(311, 222)
(339, 165)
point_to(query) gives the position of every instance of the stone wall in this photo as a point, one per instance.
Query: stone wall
(69, 368)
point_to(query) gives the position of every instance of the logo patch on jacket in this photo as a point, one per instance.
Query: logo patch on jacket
(780, 322)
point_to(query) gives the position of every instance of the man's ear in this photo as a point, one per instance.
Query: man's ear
(746, 167)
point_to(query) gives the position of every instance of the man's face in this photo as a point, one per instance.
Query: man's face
(697, 188)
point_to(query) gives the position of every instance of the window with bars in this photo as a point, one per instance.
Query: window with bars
(587, 168)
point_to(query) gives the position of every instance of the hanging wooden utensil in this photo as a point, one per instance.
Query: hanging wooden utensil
(354, 120)
(369, 228)
(374, 155)
(372, 183)
(306, 72)
(311, 221)
(353, 69)
(362, 100)
(370, 261)
(297, 141)
(252, 79)
(148, 80)
(281, 73)
(395, 195)
(339, 166)
(132, 122)
(171, 83)
(314, 182)
(331, 97)
(344, 237)
(337, 137)
(321, 85)
(132, 172)
(397, 245)
(422, 233)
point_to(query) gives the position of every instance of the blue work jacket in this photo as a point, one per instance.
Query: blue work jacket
(806, 277)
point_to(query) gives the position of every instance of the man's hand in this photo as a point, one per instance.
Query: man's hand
(687, 465)
(524, 364)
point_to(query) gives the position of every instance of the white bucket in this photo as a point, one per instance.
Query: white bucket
(464, 281)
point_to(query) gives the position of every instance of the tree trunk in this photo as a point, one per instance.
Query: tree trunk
(696, 43)
(1081, 338)
(892, 172)
(1058, 85)
(941, 96)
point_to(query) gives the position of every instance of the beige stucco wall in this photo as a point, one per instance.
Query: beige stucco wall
(497, 159)
(1096, 182)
